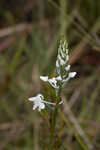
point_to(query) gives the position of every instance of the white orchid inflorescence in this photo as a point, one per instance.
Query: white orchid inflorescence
(62, 68)
(62, 77)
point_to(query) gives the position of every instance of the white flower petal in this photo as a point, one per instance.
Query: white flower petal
(59, 78)
(72, 74)
(53, 82)
(34, 107)
(67, 58)
(63, 54)
(32, 99)
(62, 62)
(42, 106)
(44, 78)
(40, 96)
(57, 64)
(67, 68)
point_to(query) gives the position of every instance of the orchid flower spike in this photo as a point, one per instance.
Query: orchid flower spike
(62, 68)
(63, 75)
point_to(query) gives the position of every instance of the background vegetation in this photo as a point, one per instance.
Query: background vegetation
(29, 34)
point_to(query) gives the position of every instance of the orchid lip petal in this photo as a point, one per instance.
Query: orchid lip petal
(72, 74)
(31, 99)
(44, 78)
(42, 106)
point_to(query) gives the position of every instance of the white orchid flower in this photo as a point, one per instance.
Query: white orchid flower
(52, 81)
(39, 102)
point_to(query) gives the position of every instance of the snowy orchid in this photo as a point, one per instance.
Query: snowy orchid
(63, 75)
(38, 102)
(52, 81)
(62, 68)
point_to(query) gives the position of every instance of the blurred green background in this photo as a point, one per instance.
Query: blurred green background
(29, 35)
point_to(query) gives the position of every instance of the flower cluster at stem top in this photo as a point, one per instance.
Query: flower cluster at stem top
(62, 68)
(63, 75)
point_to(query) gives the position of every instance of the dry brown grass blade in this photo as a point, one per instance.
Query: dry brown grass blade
(19, 29)
(75, 123)
(74, 97)
(24, 27)
(15, 29)
(79, 50)
(7, 43)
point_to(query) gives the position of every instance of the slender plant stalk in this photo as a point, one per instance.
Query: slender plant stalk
(53, 125)
(54, 120)
(63, 75)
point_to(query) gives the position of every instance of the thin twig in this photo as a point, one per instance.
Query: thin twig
(74, 97)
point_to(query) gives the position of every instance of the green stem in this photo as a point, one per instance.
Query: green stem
(54, 120)
(53, 125)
